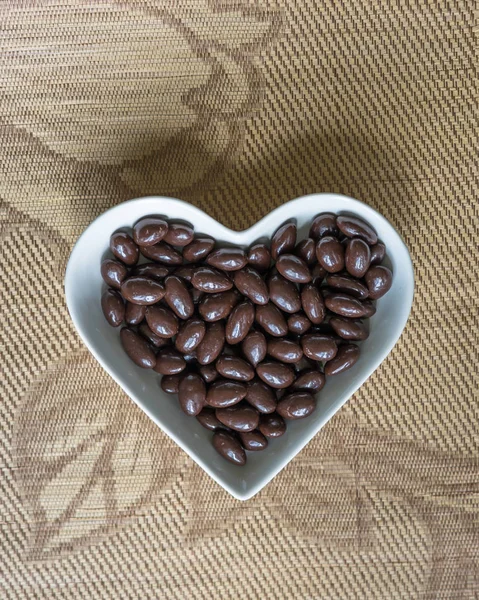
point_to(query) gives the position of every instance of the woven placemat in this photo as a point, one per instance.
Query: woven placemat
(238, 106)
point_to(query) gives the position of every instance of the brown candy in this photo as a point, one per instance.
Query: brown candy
(347, 357)
(113, 272)
(318, 274)
(254, 441)
(170, 383)
(283, 240)
(323, 225)
(198, 249)
(357, 257)
(124, 248)
(299, 323)
(229, 447)
(254, 347)
(347, 284)
(239, 322)
(192, 394)
(207, 418)
(238, 418)
(345, 306)
(293, 268)
(296, 405)
(306, 250)
(309, 379)
(330, 254)
(285, 350)
(149, 335)
(233, 367)
(271, 320)
(179, 234)
(210, 280)
(185, 272)
(275, 374)
(259, 257)
(169, 361)
(379, 280)
(178, 297)
(272, 426)
(227, 259)
(250, 284)
(212, 344)
(151, 270)
(378, 252)
(224, 393)
(141, 290)
(349, 329)
(137, 348)
(354, 227)
(149, 231)
(113, 307)
(162, 321)
(261, 396)
(134, 313)
(214, 307)
(190, 335)
(209, 373)
(284, 294)
(318, 347)
(313, 304)
(162, 253)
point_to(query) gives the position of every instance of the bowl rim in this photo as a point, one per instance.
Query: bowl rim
(356, 207)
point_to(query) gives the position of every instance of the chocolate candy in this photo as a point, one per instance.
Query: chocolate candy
(330, 254)
(155, 340)
(284, 294)
(354, 227)
(306, 250)
(283, 240)
(185, 272)
(275, 374)
(238, 418)
(323, 225)
(162, 253)
(293, 268)
(346, 358)
(224, 393)
(212, 344)
(124, 248)
(309, 379)
(169, 361)
(151, 270)
(141, 290)
(210, 280)
(271, 320)
(318, 274)
(149, 231)
(250, 284)
(296, 405)
(313, 304)
(272, 426)
(113, 307)
(239, 322)
(162, 321)
(233, 367)
(178, 297)
(357, 257)
(213, 307)
(229, 447)
(299, 323)
(347, 284)
(170, 383)
(137, 348)
(134, 313)
(345, 305)
(378, 252)
(227, 259)
(254, 441)
(209, 373)
(179, 234)
(285, 350)
(190, 335)
(349, 329)
(318, 347)
(259, 257)
(192, 394)
(261, 396)
(198, 249)
(113, 272)
(254, 347)
(207, 418)
(379, 280)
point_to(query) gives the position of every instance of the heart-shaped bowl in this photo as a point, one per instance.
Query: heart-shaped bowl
(84, 285)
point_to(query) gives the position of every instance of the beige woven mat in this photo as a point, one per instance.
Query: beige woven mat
(238, 106)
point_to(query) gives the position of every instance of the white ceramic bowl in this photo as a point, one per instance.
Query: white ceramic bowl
(83, 288)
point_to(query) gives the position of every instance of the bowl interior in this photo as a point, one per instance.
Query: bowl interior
(83, 287)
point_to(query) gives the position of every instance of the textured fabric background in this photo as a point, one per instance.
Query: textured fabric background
(238, 106)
